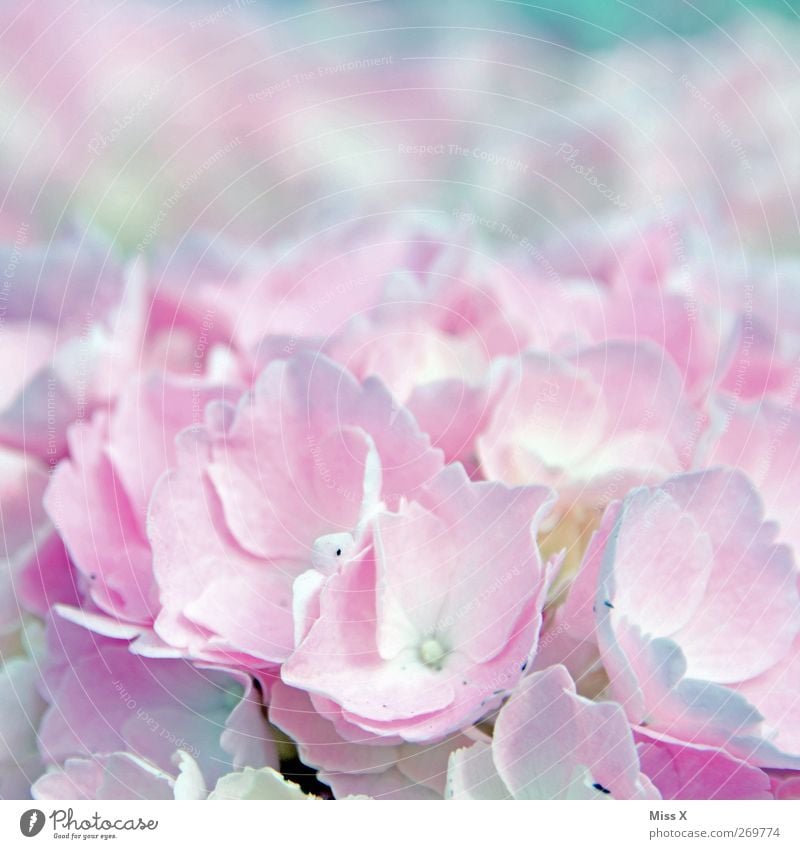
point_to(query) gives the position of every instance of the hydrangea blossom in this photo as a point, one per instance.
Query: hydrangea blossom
(408, 469)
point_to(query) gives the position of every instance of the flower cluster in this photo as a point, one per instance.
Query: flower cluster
(400, 511)
(458, 531)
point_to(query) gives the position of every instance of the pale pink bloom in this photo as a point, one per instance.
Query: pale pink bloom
(764, 364)
(414, 305)
(776, 695)
(77, 328)
(590, 425)
(431, 340)
(307, 454)
(655, 281)
(757, 293)
(98, 497)
(785, 784)
(763, 440)
(680, 770)
(435, 617)
(623, 253)
(696, 607)
(652, 280)
(312, 293)
(118, 775)
(438, 375)
(698, 339)
(549, 743)
(721, 136)
(354, 761)
(105, 700)
(61, 303)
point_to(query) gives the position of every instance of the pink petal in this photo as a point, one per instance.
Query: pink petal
(682, 771)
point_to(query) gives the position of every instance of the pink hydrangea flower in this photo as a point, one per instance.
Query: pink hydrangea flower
(308, 454)
(78, 328)
(354, 761)
(680, 770)
(762, 439)
(610, 414)
(412, 304)
(344, 475)
(785, 784)
(57, 341)
(98, 498)
(697, 615)
(119, 775)
(775, 695)
(549, 743)
(103, 699)
(417, 633)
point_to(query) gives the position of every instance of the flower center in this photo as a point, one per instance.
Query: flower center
(572, 531)
(432, 653)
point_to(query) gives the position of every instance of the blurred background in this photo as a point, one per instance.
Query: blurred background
(148, 127)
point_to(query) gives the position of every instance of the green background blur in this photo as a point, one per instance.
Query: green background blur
(586, 24)
(599, 23)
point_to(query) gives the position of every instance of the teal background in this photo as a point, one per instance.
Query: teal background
(592, 24)
(583, 24)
